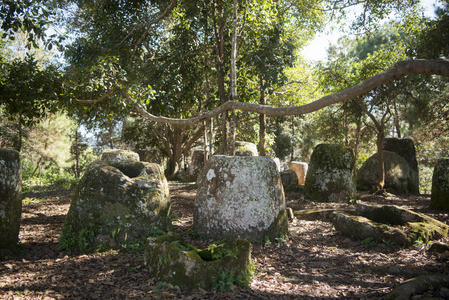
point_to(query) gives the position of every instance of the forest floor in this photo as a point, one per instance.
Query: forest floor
(313, 262)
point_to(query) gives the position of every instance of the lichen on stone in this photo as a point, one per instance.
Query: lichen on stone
(239, 197)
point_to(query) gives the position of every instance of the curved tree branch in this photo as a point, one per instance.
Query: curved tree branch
(400, 69)
(93, 101)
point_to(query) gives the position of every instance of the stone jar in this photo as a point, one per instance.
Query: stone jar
(240, 197)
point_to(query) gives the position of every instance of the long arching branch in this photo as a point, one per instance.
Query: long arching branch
(400, 69)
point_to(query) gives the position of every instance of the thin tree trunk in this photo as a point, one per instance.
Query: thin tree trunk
(232, 134)
(396, 119)
(380, 156)
(77, 154)
(219, 24)
(205, 147)
(262, 119)
(37, 166)
(233, 83)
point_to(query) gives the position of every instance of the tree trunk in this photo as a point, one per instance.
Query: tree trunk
(219, 25)
(232, 130)
(396, 119)
(206, 142)
(380, 156)
(262, 118)
(37, 166)
(77, 154)
(175, 153)
(233, 83)
(292, 155)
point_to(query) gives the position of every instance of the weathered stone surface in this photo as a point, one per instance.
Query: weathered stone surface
(289, 177)
(331, 174)
(168, 258)
(10, 198)
(379, 223)
(117, 203)
(300, 169)
(245, 149)
(399, 178)
(417, 286)
(197, 164)
(406, 148)
(440, 185)
(118, 155)
(240, 197)
(151, 155)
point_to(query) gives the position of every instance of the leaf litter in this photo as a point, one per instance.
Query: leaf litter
(312, 262)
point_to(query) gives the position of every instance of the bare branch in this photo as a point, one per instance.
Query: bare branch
(400, 69)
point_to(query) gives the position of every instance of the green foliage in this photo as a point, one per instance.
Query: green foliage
(282, 239)
(369, 241)
(228, 279)
(72, 241)
(180, 245)
(30, 90)
(432, 40)
(266, 241)
(225, 281)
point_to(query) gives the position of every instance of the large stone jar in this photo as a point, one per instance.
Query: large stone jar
(10, 198)
(399, 177)
(117, 203)
(240, 197)
(331, 175)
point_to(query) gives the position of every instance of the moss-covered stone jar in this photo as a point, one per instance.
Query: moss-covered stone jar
(169, 258)
(117, 204)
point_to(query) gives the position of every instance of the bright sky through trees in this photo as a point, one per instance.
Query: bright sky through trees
(317, 48)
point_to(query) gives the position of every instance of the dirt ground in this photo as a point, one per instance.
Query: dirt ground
(313, 262)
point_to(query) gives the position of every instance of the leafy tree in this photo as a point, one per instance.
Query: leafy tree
(29, 92)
